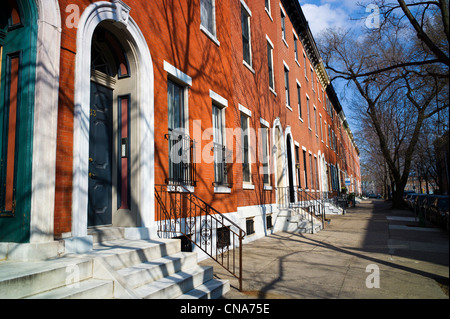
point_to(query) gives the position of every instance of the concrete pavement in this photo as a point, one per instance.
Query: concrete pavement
(371, 252)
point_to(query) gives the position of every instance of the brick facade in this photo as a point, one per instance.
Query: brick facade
(216, 71)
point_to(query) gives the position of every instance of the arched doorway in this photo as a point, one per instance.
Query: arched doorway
(18, 21)
(290, 168)
(29, 85)
(111, 137)
(279, 161)
(129, 179)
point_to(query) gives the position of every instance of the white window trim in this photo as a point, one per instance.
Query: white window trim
(245, 110)
(298, 105)
(321, 127)
(298, 53)
(221, 102)
(209, 35)
(305, 58)
(267, 126)
(284, 14)
(273, 68)
(287, 102)
(315, 120)
(249, 66)
(246, 7)
(308, 114)
(248, 115)
(269, 11)
(212, 36)
(218, 99)
(179, 75)
(264, 122)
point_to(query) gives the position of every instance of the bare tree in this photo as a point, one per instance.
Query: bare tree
(400, 81)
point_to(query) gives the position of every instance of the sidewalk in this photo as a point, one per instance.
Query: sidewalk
(412, 261)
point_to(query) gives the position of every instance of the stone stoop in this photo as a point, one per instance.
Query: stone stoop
(293, 221)
(115, 268)
(331, 209)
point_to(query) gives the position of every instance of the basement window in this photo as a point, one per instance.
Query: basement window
(223, 237)
(269, 224)
(250, 226)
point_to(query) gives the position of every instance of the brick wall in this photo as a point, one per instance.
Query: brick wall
(172, 31)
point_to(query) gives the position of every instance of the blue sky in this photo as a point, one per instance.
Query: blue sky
(322, 14)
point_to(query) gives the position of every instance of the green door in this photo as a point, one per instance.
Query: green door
(18, 30)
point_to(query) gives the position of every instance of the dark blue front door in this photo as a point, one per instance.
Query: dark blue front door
(100, 156)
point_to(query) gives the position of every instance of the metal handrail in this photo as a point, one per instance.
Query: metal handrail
(317, 207)
(180, 211)
(182, 163)
(294, 198)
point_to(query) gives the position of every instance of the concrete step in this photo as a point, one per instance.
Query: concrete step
(23, 279)
(175, 285)
(143, 273)
(212, 289)
(103, 234)
(86, 289)
(119, 268)
(126, 253)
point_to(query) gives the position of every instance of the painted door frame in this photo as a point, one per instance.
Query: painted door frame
(44, 117)
(94, 14)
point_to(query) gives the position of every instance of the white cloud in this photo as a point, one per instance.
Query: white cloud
(321, 17)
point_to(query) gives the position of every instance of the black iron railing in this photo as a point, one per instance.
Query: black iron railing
(303, 202)
(223, 162)
(182, 167)
(180, 212)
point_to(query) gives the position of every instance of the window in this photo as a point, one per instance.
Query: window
(175, 95)
(297, 164)
(265, 154)
(220, 176)
(245, 149)
(176, 125)
(312, 78)
(286, 84)
(305, 172)
(329, 134)
(223, 237)
(269, 224)
(304, 64)
(316, 167)
(250, 226)
(321, 129)
(283, 25)
(295, 47)
(315, 121)
(267, 6)
(208, 16)
(311, 170)
(308, 111)
(299, 101)
(245, 22)
(270, 65)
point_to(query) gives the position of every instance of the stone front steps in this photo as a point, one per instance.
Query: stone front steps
(115, 268)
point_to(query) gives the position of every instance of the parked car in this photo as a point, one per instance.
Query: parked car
(426, 204)
(438, 211)
(418, 204)
(407, 198)
(407, 193)
(411, 200)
